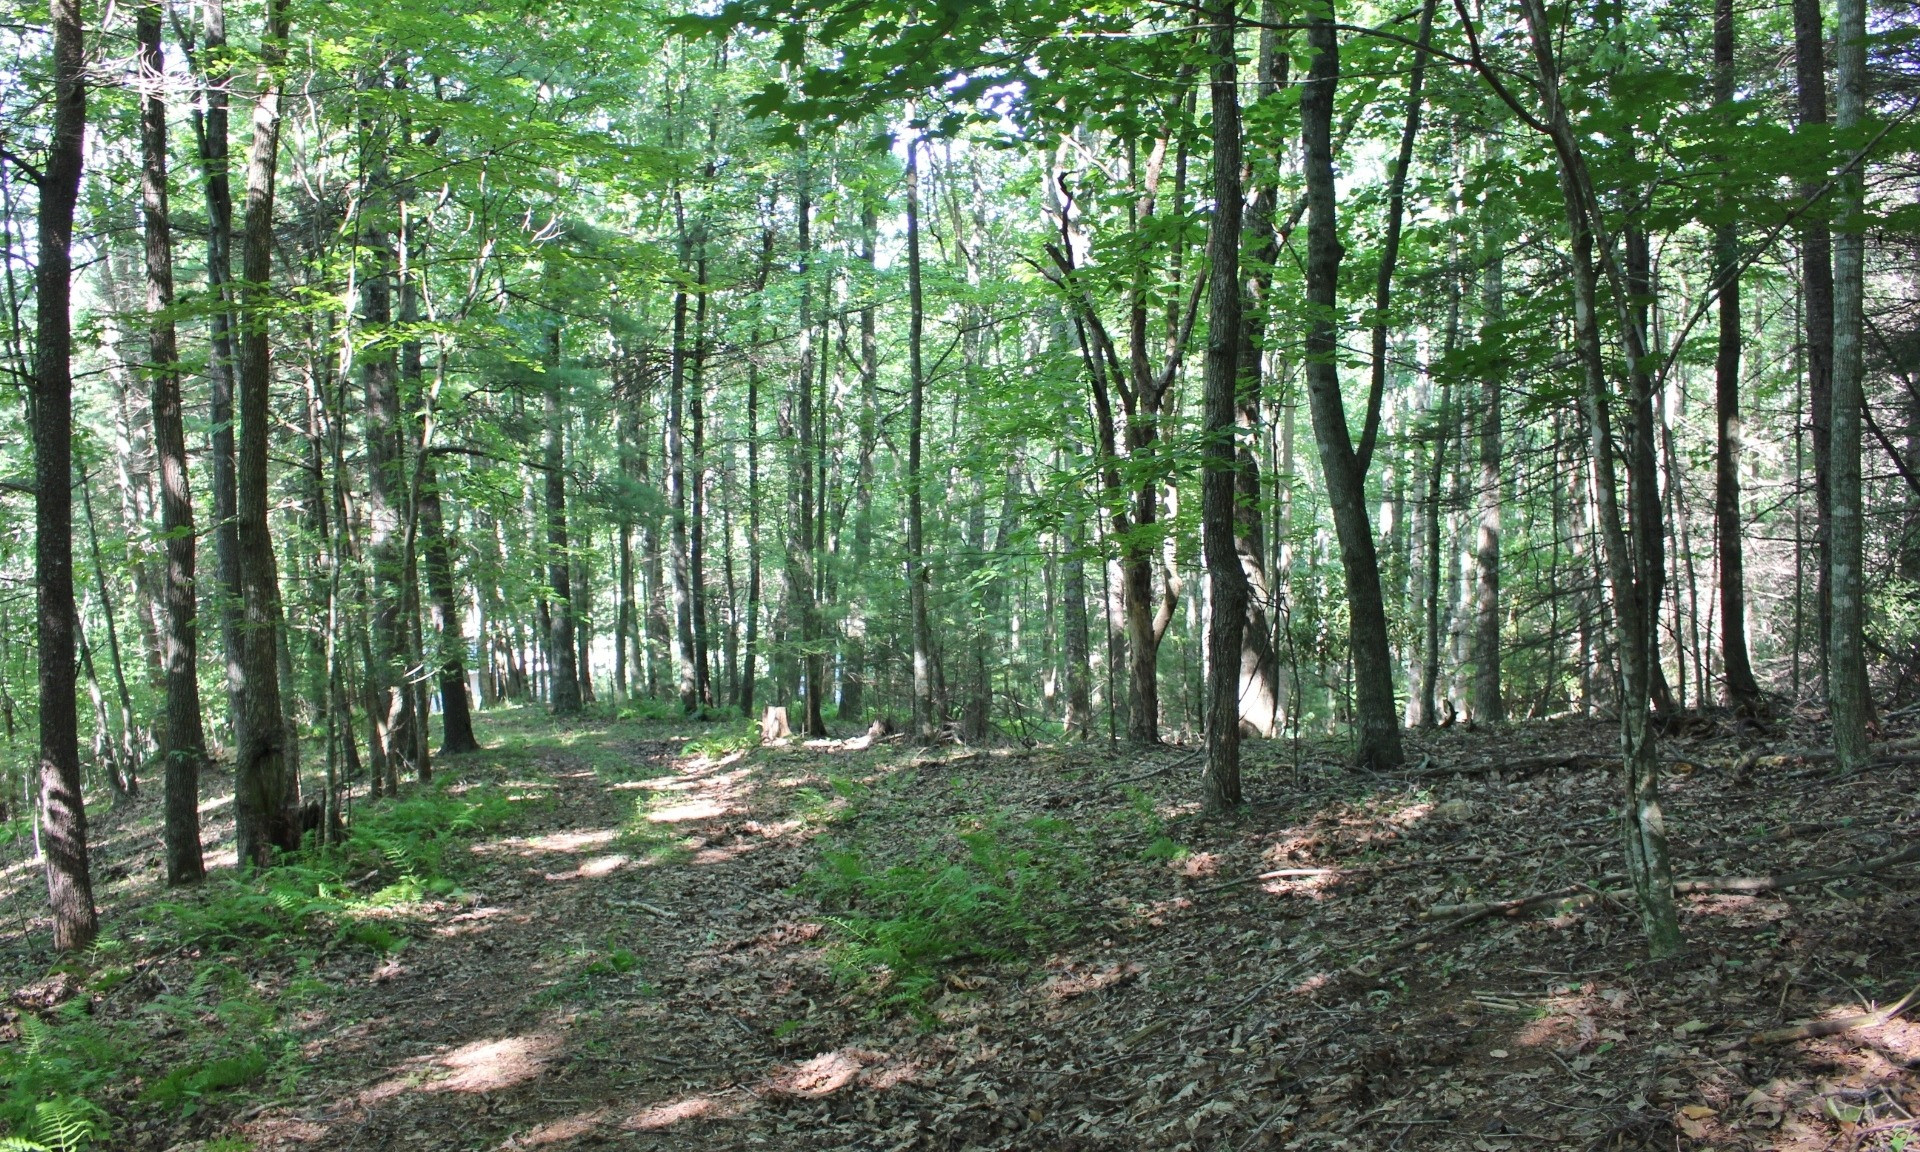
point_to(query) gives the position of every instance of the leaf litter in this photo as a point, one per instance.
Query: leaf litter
(1356, 962)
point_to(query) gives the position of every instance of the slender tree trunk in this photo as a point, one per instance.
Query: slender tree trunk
(1630, 567)
(210, 122)
(1847, 685)
(673, 429)
(805, 558)
(266, 766)
(63, 813)
(697, 486)
(1743, 692)
(1488, 707)
(562, 666)
(751, 647)
(1375, 717)
(1816, 269)
(1427, 714)
(918, 576)
(183, 748)
(1076, 636)
(1226, 580)
(456, 710)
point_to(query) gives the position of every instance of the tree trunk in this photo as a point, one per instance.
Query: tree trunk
(1743, 692)
(266, 763)
(751, 648)
(804, 556)
(456, 711)
(1629, 568)
(211, 132)
(1375, 717)
(63, 813)
(1074, 630)
(697, 486)
(1226, 580)
(183, 747)
(561, 659)
(1816, 273)
(918, 576)
(1487, 706)
(393, 719)
(1847, 686)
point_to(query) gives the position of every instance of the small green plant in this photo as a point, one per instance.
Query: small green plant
(48, 1077)
(1165, 848)
(999, 895)
(737, 736)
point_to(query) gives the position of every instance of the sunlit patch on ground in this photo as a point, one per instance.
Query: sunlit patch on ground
(692, 810)
(1739, 911)
(557, 1131)
(552, 843)
(697, 1107)
(482, 1066)
(598, 866)
(829, 1072)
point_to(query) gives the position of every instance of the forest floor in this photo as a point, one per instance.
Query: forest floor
(651, 935)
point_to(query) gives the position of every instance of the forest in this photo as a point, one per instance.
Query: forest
(1184, 574)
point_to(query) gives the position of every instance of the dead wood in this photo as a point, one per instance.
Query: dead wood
(1815, 1028)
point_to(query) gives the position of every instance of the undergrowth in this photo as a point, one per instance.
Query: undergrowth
(224, 1032)
(996, 893)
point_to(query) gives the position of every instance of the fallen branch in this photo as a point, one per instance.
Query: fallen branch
(1796, 879)
(1816, 1028)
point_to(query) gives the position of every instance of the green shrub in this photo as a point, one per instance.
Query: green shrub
(739, 735)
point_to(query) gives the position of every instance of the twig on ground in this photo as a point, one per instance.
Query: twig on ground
(1815, 1028)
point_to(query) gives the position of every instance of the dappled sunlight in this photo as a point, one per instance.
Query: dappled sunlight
(1738, 910)
(829, 1072)
(696, 1107)
(597, 866)
(555, 843)
(557, 1131)
(482, 1066)
(692, 810)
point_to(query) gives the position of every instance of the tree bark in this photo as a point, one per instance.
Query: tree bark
(1743, 692)
(456, 709)
(393, 720)
(1377, 721)
(1847, 686)
(561, 658)
(183, 746)
(918, 575)
(673, 428)
(1816, 274)
(1487, 705)
(266, 765)
(63, 813)
(211, 133)
(1227, 581)
(1630, 568)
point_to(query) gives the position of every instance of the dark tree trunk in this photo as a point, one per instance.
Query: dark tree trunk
(393, 718)
(211, 132)
(1219, 489)
(751, 647)
(1743, 691)
(1816, 274)
(456, 710)
(63, 813)
(183, 746)
(805, 554)
(265, 768)
(697, 486)
(673, 429)
(561, 659)
(1375, 717)
(1075, 633)
(918, 577)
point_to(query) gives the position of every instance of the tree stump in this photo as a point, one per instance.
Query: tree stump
(773, 725)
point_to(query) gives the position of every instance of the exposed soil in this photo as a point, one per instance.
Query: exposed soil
(637, 965)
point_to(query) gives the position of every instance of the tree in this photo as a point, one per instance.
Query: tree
(1377, 722)
(1847, 686)
(63, 812)
(266, 768)
(183, 744)
(1220, 489)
